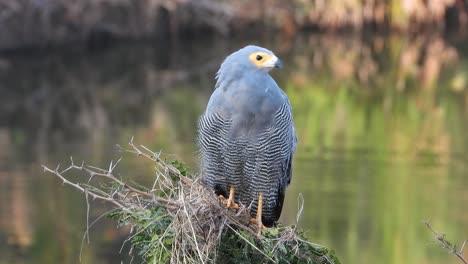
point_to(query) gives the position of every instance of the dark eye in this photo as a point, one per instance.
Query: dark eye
(259, 57)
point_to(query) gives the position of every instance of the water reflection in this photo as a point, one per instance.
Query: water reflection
(381, 124)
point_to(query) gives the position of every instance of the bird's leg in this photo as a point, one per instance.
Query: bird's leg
(230, 201)
(258, 219)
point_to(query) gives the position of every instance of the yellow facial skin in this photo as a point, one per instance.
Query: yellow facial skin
(261, 59)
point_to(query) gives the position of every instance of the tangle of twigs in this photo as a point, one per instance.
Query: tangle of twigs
(178, 220)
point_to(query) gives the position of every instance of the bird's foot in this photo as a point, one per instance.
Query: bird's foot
(259, 224)
(229, 202)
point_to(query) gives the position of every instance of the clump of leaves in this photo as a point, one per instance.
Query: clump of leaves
(150, 226)
(180, 167)
(277, 245)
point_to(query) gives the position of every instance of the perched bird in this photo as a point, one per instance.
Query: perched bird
(246, 135)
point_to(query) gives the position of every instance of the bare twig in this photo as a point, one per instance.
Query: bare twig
(444, 243)
(300, 207)
(78, 187)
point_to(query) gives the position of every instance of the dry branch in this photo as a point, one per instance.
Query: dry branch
(178, 220)
(445, 244)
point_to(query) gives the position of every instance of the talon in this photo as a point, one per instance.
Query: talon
(232, 204)
(222, 198)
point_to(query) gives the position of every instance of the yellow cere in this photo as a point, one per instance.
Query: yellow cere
(258, 58)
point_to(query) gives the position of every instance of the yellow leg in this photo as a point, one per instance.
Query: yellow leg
(258, 219)
(230, 201)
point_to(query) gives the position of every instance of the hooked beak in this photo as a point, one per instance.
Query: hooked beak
(278, 63)
(273, 62)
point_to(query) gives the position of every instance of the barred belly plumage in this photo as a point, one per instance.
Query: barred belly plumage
(261, 163)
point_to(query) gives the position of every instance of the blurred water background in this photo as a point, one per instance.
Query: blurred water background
(381, 119)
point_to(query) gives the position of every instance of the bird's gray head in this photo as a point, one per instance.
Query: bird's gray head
(248, 60)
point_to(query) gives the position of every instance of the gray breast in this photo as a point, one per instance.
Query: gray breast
(250, 107)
